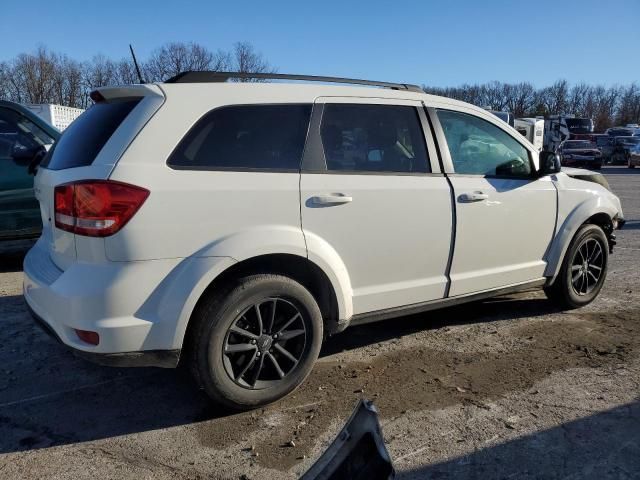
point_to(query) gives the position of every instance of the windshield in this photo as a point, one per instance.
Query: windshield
(578, 144)
(20, 132)
(579, 125)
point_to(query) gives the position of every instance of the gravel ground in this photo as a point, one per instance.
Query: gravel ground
(506, 388)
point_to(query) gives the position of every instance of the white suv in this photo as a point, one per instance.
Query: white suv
(234, 226)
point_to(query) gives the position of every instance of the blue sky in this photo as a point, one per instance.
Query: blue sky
(439, 43)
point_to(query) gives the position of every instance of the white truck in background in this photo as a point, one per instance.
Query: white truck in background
(532, 129)
(57, 115)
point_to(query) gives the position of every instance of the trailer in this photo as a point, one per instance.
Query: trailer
(532, 129)
(58, 116)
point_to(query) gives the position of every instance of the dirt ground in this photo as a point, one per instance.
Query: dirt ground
(505, 388)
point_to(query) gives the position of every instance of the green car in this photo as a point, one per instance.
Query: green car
(24, 139)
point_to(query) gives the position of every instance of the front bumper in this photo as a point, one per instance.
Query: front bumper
(111, 299)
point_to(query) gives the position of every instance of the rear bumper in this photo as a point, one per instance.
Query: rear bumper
(110, 299)
(149, 358)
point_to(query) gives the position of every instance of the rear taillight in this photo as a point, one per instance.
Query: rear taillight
(96, 208)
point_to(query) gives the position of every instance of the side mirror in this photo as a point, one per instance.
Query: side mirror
(24, 156)
(549, 163)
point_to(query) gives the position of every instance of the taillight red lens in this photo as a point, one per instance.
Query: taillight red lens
(96, 208)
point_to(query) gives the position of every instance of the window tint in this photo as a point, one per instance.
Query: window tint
(480, 148)
(81, 142)
(254, 136)
(373, 138)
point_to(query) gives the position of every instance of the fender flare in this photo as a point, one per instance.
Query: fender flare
(193, 275)
(565, 232)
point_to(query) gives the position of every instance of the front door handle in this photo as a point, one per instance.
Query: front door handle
(476, 196)
(331, 199)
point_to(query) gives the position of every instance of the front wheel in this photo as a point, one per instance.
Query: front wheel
(630, 164)
(257, 342)
(583, 270)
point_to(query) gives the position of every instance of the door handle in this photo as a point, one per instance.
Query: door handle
(331, 199)
(473, 197)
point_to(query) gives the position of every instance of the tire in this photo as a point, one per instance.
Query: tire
(570, 290)
(234, 364)
(630, 165)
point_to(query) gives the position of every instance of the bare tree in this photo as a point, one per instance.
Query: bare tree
(32, 76)
(173, 58)
(629, 110)
(245, 59)
(520, 99)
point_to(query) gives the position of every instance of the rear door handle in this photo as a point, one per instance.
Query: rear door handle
(331, 199)
(473, 197)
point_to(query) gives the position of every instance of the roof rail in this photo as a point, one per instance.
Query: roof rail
(204, 77)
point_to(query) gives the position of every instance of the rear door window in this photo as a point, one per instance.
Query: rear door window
(245, 137)
(373, 138)
(85, 137)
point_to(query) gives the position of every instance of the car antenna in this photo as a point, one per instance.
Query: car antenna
(135, 62)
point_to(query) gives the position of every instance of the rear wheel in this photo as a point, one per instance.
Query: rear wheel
(583, 270)
(630, 164)
(257, 342)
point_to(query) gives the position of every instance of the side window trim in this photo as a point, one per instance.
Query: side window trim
(446, 156)
(432, 151)
(441, 141)
(314, 160)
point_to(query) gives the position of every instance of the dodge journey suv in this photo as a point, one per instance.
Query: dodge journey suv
(233, 226)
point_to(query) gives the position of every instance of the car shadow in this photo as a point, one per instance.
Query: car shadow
(632, 225)
(509, 307)
(11, 260)
(619, 170)
(50, 397)
(604, 445)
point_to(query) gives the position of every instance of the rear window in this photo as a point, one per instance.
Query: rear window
(255, 137)
(85, 137)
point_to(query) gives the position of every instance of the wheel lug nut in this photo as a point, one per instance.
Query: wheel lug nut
(258, 354)
(253, 342)
(275, 336)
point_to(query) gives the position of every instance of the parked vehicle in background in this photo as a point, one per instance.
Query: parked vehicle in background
(621, 149)
(558, 128)
(620, 132)
(58, 116)
(504, 116)
(634, 156)
(23, 137)
(603, 142)
(580, 153)
(532, 129)
(240, 224)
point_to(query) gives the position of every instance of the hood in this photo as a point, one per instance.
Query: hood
(587, 176)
